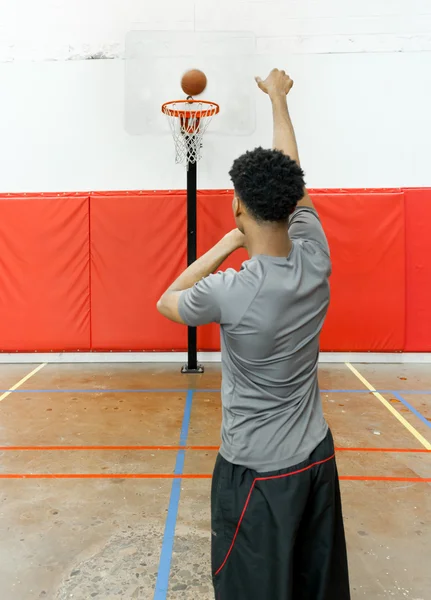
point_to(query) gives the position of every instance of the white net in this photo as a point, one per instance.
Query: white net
(188, 121)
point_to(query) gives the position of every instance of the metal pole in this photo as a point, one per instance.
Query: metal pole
(192, 352)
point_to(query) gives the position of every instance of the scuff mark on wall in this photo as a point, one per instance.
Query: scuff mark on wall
(313, 44)
(19, 52)
(106, 52)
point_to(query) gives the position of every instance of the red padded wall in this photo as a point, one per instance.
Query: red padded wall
(53, 298)
(138, 247)
(367, 242)
(44, 273)
(366, 236)
(418, 262)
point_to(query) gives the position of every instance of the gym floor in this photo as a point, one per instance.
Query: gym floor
(106, 470)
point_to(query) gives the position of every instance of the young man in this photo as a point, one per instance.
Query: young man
(277, 525)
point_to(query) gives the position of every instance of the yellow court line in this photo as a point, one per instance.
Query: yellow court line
(23, 380)
(390, 408)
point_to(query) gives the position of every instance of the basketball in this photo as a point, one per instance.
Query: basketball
(193, 82)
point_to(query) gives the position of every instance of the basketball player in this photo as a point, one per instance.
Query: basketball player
(277, 525)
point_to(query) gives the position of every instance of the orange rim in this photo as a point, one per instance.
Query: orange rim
(188, 114)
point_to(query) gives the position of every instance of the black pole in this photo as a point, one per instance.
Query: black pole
(192, 351)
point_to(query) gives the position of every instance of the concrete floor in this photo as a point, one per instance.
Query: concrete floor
(94, 522)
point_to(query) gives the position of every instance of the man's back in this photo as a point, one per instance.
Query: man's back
(275, 308)
(271, 314)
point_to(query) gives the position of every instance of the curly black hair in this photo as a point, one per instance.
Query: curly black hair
(269, 183)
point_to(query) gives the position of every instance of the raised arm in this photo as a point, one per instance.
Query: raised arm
(277, 85)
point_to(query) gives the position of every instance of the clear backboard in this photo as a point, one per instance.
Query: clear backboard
(156, 61)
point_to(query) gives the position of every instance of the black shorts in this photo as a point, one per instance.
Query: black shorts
(279, 535)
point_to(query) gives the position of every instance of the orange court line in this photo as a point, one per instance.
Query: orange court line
(47, 448)
(377, 478)
(184, 476)
(422, 450)
(176, 448)
(104, 476)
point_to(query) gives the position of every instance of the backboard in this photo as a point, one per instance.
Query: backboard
(156, 61)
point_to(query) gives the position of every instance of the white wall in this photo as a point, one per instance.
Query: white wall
(361, 99)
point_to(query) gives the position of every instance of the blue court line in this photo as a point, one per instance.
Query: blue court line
(108, 391)
(162, 583)
(158, 390)
(182, 391)
(363, 391)
(411, 408)
(99, 391)
(409, 392)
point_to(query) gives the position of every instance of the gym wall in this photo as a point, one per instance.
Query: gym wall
(83, 270)
(360, 104)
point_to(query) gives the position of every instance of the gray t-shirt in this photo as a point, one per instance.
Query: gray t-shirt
(271, 313)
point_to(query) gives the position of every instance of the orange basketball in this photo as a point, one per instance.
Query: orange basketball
(193, 82)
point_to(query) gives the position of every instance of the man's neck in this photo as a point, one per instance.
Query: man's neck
(268, 240)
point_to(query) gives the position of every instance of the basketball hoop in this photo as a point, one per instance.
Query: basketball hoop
(188, 121)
